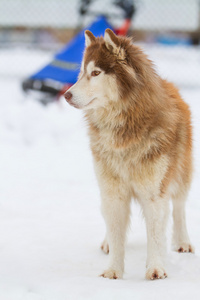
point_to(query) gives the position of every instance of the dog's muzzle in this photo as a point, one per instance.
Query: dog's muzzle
(68, 96)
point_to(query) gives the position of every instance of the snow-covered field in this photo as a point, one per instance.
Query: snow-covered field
(50, 221)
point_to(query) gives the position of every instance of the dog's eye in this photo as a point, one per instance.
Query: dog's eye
(95, 73)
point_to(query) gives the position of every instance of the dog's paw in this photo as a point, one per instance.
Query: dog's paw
(105, 247)
(184, 247)
(155, 273)
(112, 274)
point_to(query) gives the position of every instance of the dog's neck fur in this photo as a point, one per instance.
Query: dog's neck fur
(126, 124)
(117, 113)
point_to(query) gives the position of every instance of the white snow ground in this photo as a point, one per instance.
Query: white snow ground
(50, 221)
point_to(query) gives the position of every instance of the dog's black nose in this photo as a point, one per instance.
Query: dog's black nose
(68, 96)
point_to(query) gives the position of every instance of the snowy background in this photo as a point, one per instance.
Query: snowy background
(50, 222)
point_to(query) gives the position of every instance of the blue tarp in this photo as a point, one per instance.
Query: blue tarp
(66, 64)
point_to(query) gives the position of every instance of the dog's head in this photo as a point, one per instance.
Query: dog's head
(106, 72)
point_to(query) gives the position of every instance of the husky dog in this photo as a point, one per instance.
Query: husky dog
(141, 140)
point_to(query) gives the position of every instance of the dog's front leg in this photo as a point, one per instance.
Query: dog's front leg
(156, 213)
(116, 211)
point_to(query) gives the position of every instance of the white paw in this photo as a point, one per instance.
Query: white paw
(184, 247)
(112, 274)
(156, 273)
(105, 247)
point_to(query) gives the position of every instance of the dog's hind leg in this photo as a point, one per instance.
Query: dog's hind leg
(156, 215)
(116, 211)
(181, 241)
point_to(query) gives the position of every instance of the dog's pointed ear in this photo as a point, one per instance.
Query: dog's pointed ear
(89, 38)
(111, 41)
(113, 44)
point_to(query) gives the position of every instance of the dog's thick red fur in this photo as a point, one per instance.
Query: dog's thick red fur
(141, 139)
(151, 118)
